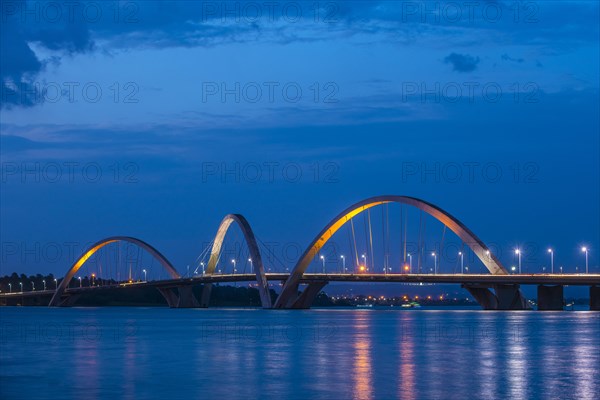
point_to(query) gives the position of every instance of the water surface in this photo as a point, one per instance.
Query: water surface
(134, 353)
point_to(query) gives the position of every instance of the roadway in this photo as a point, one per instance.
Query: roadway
(464, 279)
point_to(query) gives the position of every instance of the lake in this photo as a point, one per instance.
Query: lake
(135, 353)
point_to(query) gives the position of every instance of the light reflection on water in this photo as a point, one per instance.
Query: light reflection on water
(137, 353)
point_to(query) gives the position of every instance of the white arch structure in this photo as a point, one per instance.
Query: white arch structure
(56, 299)
(289, 293)
(261, 279)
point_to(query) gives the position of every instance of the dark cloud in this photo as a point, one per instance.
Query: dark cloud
(462, 62)
(23, 23)
(506, 57)
(139, 24)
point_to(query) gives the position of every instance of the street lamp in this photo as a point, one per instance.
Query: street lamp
(364, 257)
(410, 262)
(233, 262)
(202, 265)
(145, 276)
(585, 250)
(251, 266)
(343, 263)
(518, 253)
(55, 283)
(10, 288)
(434, 262)
(44, 282)
(323, 259)
(551, 260)
(79, 281)
(33, 286)
(462, 268)
(21, 283)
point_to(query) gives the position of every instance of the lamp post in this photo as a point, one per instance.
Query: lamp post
(551, 260)
(343, 263)
(518, 253)
(145, 276)
(202, 265)
(462, 264)
(410, 262)
(585, 250)
(251, 266)
(21, 284)
(55, 283)
(32, 286)
(233, 262)
(364, 257)
(10, 288)
(323, 259)
(79, 281)
(44, 282)
(434, 262)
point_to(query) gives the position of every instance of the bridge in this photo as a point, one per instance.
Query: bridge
(496, 290)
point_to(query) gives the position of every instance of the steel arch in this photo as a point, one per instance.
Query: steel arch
(289, 292)
(55, 301)
(261, 279)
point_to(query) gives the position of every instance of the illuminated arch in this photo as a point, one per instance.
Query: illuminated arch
(261, 279)
(289, 292)
(97, 246)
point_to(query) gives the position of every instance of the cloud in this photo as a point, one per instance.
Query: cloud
(22, 24)
(462, 62)
(506, 57)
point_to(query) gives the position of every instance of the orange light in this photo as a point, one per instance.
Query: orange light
(406, 267)
(93, 275)
(428, 297)
(416, 297)
(362, 268)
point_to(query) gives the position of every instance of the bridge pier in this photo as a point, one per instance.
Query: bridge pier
(550, 298)
(184, 298)
(69, 300)
(205, 296)
(308, 295)
(505, 297)
(594, 298)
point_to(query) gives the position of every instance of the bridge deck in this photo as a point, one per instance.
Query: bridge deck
(466, 279)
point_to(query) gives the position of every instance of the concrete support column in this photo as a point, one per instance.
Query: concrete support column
(594, 298)
(205, 296)
(186, 297)
(505, 297)
(307, 297)
(171, 298)
(550, 298)
(69, 301)
(484, 296)
(510, 298)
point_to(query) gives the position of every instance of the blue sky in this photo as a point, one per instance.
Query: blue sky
(161, 97)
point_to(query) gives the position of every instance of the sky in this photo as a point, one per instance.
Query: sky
(154, 119)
